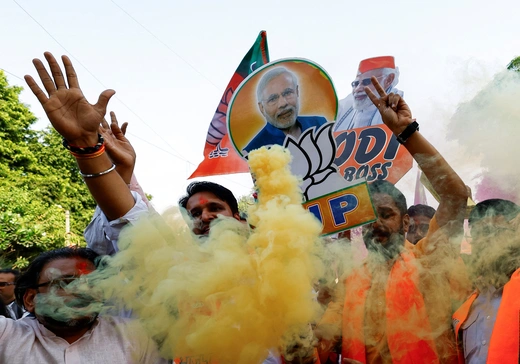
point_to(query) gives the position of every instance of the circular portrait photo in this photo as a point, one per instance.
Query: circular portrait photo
(283, 98)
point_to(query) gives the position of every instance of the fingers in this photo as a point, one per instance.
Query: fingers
(114, 126)
(104, 98)
(393, 101)
(104, 124)
(113, 118)
(123, 128)
(375, 100)
(48, 83)
(59, 81)
(37, 91)
(378, 86)
(72, 78)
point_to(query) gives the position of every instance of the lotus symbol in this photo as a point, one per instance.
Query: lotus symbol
(313, 160)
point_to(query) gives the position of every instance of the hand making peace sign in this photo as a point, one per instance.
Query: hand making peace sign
(395, 112)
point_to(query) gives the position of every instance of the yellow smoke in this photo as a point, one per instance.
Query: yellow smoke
(236, 294)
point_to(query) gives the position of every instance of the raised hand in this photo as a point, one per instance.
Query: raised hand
(118, 147)
(394, 111)
(67, 109)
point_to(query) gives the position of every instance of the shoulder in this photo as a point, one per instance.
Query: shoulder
(21, 327)
(310, 121)
(259, 140)
(134, 338)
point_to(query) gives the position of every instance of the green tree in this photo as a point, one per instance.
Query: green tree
(514, 65)
(39, 181)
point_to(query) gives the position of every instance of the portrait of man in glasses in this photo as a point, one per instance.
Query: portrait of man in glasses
(356, 110)
(278, 98)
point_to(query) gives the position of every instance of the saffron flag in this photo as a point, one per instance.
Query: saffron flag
(219, 155)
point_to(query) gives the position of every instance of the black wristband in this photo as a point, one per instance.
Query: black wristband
(408, 132)
(84, 150)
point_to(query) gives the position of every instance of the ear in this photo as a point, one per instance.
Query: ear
(406, 222)
(237, 216)
(388, 80)
(28, 299)
(261, 107)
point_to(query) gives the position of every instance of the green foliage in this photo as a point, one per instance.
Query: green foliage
(39, 181)
(514, 65)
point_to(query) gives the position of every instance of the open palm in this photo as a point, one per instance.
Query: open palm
(69, 112)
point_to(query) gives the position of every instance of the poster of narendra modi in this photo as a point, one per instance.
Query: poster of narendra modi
(282, 99)
(366, 148)
(292, 103)
(356, 110)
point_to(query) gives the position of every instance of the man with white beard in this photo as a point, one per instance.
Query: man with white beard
(356, 110)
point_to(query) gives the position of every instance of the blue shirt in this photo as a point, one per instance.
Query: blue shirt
(270, 134)
(478, 327)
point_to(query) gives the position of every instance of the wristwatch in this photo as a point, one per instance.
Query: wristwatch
(407, 133)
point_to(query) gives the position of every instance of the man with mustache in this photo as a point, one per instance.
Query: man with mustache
(420, 217)
(107, 172)
(487, 324)
(278, 98)
(356, 110)
(205, 201)
(63, 327)
(395, 308)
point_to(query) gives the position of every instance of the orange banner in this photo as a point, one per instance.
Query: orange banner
(373, 153)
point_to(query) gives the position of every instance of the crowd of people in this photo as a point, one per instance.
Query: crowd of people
(411, 300)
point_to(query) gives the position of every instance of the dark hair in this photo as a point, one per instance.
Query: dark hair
(29, 279)
(3, 310)
(14, 272)
(421, 210)
(381, 186)
(492, 208)
(204, 186)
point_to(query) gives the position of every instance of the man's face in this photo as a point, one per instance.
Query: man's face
(419, 226)
(390, 226)
(280, 102)
(487, 230)
(49, 299)
(7, 287)
(204, 207)
(361, 100)
(495, 250)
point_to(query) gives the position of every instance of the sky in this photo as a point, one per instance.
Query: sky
(170, 61)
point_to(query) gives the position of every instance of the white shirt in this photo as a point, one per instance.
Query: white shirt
(111, 340)
(102, 235)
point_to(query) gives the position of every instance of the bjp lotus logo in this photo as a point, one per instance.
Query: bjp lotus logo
(313, 161)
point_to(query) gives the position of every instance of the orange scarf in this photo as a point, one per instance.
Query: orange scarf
(404, 309)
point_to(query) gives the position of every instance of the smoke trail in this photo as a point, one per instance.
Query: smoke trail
(487, 127)
(231, 296)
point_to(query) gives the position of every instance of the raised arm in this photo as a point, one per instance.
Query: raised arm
(78, 122)
(453, 193)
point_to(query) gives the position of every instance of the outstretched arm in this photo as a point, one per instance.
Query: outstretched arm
(78, 122)
(397, 116)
